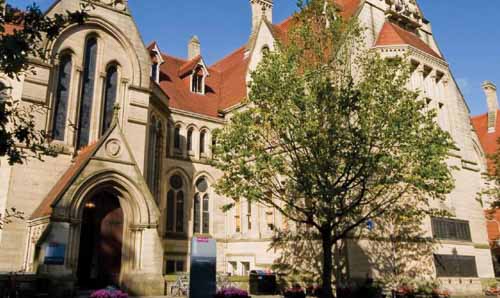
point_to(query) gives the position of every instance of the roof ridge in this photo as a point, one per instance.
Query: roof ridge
(225, 58)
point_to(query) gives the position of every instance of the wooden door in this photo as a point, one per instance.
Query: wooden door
(110, 245)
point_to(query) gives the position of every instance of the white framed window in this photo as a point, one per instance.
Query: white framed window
(198, 80)
(203, 143)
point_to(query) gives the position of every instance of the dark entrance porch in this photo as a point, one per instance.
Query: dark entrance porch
(100, 254)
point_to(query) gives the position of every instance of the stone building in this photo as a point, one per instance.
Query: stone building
(131, 186)
(487, 127)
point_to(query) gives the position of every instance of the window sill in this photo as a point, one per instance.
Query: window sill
(455, 242)
(175, 236)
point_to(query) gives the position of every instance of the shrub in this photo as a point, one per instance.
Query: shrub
(231, 293)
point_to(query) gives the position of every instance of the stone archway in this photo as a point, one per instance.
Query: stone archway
(141, 247)
(101, 241)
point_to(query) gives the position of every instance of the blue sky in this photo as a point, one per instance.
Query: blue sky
(467, 32)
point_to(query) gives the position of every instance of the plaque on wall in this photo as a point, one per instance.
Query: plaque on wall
(54, 254)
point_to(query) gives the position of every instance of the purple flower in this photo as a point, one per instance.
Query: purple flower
(231, 293)
(108, 293)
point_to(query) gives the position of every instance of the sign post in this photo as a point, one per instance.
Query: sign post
(202, 278)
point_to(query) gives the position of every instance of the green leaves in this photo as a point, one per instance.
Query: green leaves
(28, 30)
(334, 145)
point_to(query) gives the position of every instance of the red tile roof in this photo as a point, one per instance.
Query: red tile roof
(45, 208)
(10, 28)
(391, 34)
(181, 97)
(226, 85)
(488, 140)
(189, 66)
(348, 7)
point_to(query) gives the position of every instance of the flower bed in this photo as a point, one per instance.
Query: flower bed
(411, 293)
(231, 293)
(295, 292)
(109, 292)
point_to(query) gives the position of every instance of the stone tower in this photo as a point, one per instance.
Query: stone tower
(194, 47)
(492, 100)
(261, 9)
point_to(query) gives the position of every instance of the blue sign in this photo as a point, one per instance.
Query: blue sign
(370, 224)
(202, 279)
(54, 254)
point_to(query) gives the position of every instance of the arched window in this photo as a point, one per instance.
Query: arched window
(177, 138)
(265, 50)
(167, 140)
(87, 93)
(110, 90)
(62, 98)
(190, 140)
(154, 157)
(158, 155)
(197, 81)
(203, 136)
(175, 205)
(201, 222)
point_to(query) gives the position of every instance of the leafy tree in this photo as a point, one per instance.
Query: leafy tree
(21, 37)
(330, 135)
(491, 193)
(9, 215)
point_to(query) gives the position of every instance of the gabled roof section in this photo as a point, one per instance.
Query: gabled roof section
(155, 52)
(191, 65)
(79, 162)
(488, 139)
(391, 35)
(177, 87)
(226, 87)
(233, 69)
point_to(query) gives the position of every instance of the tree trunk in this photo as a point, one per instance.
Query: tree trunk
(339, 266)
(327, 291)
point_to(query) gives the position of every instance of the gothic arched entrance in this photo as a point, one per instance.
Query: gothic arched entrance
(101, 237)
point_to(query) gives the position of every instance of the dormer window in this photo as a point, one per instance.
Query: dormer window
(198, 81)
(155, 73)
(157, 61)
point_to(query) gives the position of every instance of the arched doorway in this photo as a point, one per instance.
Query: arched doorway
(100, 257)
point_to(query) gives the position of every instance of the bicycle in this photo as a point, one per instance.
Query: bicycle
(223, 281)
(181, 286)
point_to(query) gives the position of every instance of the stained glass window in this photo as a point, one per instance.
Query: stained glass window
(87, 93)
(62, 98)
(109, 97)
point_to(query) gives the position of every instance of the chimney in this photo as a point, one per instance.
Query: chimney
(492, 99)
(194, 47)
(261, 9)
